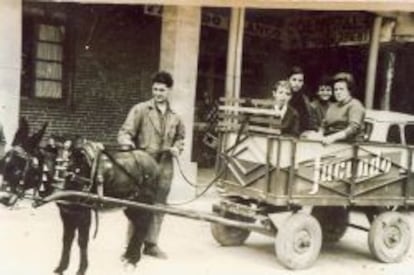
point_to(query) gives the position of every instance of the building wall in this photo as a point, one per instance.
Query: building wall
(10, 54)
(108, 78)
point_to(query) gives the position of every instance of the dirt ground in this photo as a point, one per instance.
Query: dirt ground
(30, 242)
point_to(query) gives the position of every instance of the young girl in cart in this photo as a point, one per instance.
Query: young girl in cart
(323, 99)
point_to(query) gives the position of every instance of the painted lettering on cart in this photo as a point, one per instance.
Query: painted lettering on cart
(366, 167)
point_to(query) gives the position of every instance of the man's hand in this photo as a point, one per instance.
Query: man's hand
(128, 145)
(312, 135)
(174, 151)
(333, 137)
(328, 140)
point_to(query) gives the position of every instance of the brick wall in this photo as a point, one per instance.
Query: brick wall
(109, 78)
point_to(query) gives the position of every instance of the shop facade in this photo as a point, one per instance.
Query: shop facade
(85, 64)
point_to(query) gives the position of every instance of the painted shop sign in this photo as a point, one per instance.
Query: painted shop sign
(324, 30)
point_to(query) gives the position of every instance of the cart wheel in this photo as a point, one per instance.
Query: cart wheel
(389, 237)
(333, 220)
(299, 241)
(229, 235)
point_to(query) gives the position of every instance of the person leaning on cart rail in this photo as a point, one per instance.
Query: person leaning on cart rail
(344, 119)
(154, 127)
(282, 94)
(323, 99)
(300, 102)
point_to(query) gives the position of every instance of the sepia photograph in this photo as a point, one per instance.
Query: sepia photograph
(206, 137)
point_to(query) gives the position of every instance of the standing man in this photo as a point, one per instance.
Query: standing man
(154, 127)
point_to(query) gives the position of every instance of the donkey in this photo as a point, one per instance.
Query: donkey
(130, 175)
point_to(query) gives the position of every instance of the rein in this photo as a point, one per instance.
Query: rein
(237, 142)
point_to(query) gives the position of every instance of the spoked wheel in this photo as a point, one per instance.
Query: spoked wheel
(389, 237)
(229, 235)
(298, 241)
(333, 220)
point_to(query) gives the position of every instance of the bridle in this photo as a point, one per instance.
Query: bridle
(18, 166)
(30, 161)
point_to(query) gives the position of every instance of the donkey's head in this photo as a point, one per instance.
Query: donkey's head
(23, 164)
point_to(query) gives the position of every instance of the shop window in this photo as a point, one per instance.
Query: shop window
(394, 134)
(409, 134)
(43, 59)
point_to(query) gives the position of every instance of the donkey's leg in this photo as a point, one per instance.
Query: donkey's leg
(83, 239)
(140, 220)
(69, 226)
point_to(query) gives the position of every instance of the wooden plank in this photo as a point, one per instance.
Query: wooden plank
(232, 100)
(264, 130)
(251, 128)
(407, 183)
(248, 101)
(263, 121)
(292, 174)
(378, 186)
(248, 110)
(158, 208)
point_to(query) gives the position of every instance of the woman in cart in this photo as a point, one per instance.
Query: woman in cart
(344, 118)
(282, 94)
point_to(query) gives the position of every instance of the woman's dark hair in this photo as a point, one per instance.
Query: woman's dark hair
(295, 70)
(163, 77)
(345, 77)
(325, 80)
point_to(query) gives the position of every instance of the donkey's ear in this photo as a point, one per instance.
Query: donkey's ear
(35, 139)
(22, 132)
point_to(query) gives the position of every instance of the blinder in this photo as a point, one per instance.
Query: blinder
(85, 162)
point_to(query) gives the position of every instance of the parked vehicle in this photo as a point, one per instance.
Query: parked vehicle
(389, 127)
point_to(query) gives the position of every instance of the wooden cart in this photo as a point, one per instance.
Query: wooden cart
(263, 173)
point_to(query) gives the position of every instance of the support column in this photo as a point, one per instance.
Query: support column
(372, 63)
(179, 55)
(10, 64)
(389, 77)
(234, 57)
(235, 53)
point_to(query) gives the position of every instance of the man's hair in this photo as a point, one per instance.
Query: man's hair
(295, 70)
(283, 84)
(345, 77)
(163, 77)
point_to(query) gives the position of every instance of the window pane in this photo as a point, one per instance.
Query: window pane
(394, 135)
(48, 70)
(409, 134)
(51, 33)
(49, 51)
(367, 130)
(49, 89)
